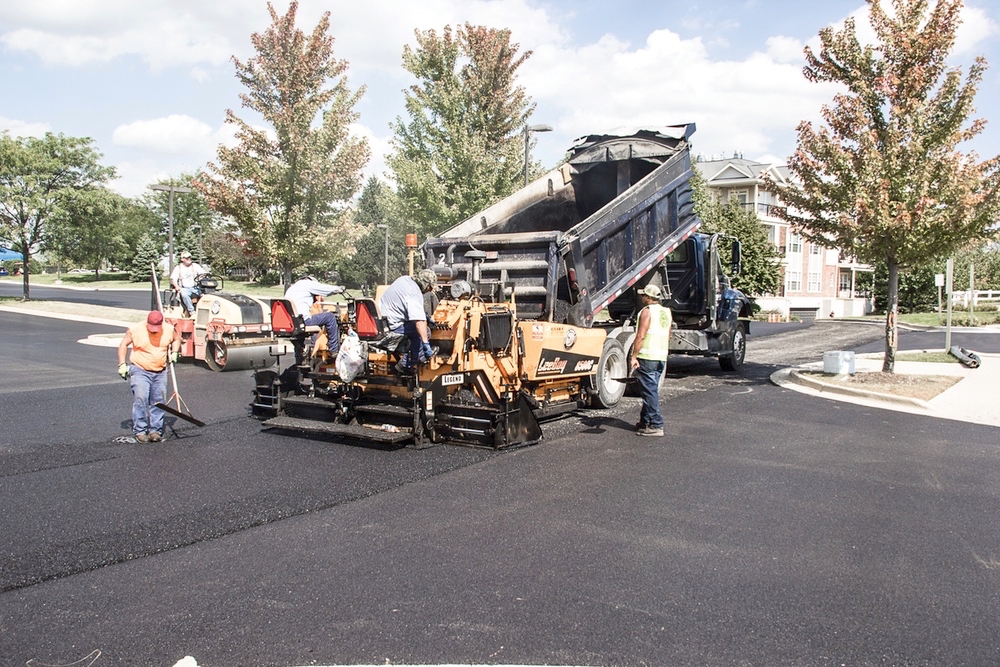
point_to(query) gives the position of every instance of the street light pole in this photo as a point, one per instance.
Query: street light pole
(201, 253)
(170, 217)
(528, 129)
(385, 279)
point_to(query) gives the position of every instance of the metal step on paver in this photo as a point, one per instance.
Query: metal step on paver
(348, 431)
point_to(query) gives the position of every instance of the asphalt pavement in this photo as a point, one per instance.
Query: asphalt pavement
(769, 527)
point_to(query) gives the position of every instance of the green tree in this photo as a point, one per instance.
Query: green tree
(136, 223)
(288, 194)
(148, 253)
(884, 179)
(462, 146)
(915, 291)
(230, 255)
(761, 271)
(90, 230)
(36, 177)
(367, 265)
(191, 211)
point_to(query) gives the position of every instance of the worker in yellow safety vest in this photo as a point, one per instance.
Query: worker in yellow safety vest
(649, 358)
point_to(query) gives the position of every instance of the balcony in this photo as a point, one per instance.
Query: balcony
(765, 210)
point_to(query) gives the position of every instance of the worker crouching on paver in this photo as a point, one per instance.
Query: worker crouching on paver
(402, 304)
(649, 358)
(153, 343)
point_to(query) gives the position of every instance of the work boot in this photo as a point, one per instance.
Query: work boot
(403, 369)
(649, 430)
(141, 437)
(154, 436)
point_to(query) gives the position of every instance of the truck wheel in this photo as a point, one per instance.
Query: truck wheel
(733, 361)
(613, 364)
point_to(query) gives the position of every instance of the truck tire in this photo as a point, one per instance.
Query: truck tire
(733, 360)
(613, 364)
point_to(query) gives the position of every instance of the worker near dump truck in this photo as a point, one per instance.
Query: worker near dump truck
(402, 304)
(304, 292)
(154, 344)
(184, 280)
(649, 357)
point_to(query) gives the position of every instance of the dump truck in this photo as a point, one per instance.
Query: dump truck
(538, 307)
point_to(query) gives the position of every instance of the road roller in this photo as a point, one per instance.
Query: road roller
(227, 331)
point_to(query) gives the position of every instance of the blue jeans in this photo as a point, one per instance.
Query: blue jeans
(416, 351)
(649, 373)
(186, 293)
(148, 389)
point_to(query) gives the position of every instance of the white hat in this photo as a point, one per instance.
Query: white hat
(653, 291)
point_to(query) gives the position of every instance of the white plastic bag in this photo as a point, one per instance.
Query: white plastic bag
(351, 357)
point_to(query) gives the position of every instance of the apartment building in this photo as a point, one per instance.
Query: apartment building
(816, 281)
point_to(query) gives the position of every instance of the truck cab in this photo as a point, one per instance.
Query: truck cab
(710, 316)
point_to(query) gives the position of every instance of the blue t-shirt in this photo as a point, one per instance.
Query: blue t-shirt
(403, 301)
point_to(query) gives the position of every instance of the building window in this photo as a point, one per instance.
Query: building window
(815, 281)
(845, 281)
(815, 249)
(772, 234)
(794, 244)
(793, 281)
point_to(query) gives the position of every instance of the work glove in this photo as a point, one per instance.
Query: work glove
(426, 352)
(173, 357)
(123, 371)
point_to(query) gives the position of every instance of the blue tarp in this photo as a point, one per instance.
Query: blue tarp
(6, 253)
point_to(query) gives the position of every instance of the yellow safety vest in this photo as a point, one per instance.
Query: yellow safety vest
(656, 344)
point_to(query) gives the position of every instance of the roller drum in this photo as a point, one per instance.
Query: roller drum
(222, 357)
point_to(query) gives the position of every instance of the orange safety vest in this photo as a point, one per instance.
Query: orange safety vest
(149, 350)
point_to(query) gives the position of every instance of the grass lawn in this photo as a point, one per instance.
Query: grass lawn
(938, 356)
(933, 319)
(121, 281)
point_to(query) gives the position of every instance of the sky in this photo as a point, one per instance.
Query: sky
(150, 81)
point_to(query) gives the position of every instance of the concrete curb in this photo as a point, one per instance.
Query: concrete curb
(830, 387)
(63, 316)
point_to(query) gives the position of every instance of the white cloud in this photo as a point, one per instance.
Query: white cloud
(162, 33)
(737, 105)
(785, 49)
(976, 28)
(175, 134)
(20, 128)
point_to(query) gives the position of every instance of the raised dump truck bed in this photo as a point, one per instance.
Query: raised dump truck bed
(572, 242)
(575, 245)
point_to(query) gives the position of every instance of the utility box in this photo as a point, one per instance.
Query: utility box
(838, 363)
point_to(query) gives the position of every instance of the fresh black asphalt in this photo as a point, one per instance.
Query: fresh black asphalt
(769, 527)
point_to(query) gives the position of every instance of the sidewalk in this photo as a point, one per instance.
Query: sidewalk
(975, 398)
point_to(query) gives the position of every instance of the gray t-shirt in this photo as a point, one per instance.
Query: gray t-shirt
(402, 301)
(301, 293)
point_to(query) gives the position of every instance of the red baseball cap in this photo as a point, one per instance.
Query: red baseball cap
(154, 321)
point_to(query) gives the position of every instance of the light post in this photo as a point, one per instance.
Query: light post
(385, 280)
(170, 217)
(528, 129)
(201, 253)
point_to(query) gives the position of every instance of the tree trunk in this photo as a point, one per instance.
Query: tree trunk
(25, 283)
(891, 313)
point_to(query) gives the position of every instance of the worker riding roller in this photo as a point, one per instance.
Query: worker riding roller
(402, 304)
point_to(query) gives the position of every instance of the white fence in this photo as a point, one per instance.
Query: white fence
(976, 297)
